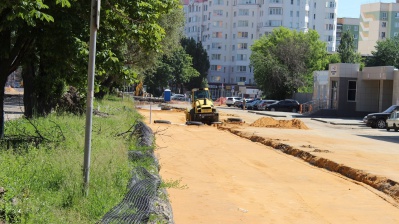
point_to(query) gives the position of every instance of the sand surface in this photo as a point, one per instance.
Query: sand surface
(225, 178)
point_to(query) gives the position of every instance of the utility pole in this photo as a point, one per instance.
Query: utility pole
(94, 25)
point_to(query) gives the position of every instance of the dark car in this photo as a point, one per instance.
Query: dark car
(379, 120)
(262, 105)
(252, 105)
(287, 105)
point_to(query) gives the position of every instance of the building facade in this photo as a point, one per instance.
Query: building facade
(350, 92)
(228, 28)
(351, 25)
(378, 21)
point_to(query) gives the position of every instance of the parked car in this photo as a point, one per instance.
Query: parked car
(252, 105)
(238, 103)
(287, 105)
(231, 100)
(378, 120)
(262, 105)
(178, 97)
(393, 121)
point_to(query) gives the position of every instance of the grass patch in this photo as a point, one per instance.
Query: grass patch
(43, 183)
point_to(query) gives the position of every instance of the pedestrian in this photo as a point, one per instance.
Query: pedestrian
(243, 104)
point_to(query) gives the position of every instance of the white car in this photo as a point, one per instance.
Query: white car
(231, 100)
(393, 121)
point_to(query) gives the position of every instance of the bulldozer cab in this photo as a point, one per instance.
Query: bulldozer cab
(201, 94)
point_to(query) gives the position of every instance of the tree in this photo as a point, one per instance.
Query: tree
(346, 49)
(284, 61)
(51, 42)
(18, 29)
(200, 61)
(386, 54)
(173, 70)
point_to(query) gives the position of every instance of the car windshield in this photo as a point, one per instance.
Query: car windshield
(390, 109)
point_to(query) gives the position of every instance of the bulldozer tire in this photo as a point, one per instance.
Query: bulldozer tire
(162, 121)
(198, 123)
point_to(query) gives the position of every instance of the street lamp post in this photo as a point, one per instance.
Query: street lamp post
(94, 25)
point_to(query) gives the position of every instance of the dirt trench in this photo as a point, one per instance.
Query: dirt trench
(383, 184)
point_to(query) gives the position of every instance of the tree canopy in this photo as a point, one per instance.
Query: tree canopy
(200, 61)
(386, 53)
(347, 50)
(51, 40)
(284, 61)
(173, 70)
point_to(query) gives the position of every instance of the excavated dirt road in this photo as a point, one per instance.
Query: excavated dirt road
(238, 173)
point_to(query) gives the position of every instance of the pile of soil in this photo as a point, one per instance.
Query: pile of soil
(269, 122)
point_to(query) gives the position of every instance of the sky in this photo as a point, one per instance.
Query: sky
(351, 8)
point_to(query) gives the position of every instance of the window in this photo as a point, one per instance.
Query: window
(356, 28)
(216, 67)
(241, 57)
(216, 45)
(241, 79)
(217, 35)
(384, 15)
(241, 46)
(275, 11)
(330, 15)
(355, 36)
(292, 2)
(351, 91)
(242, 35)
(291, 13)
(396, 14)
(246, 2)
(297, 13)
(298, 2)
(330, 4)
(218, 24)
(275, 23)
(243, 12)
(396, 24)
(216, 56)
(241, 68)
(384, 24)
(216, 78)
(242, 23)
(218, 12)
(329, 26)
(382, 34)
(218, 2)
(329, 38)
(276, 1)
(395, 34)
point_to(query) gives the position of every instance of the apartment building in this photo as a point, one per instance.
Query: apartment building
(228, 28)
(378, 21)
(351, 25)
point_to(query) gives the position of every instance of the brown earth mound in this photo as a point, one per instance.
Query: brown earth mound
(269, 122)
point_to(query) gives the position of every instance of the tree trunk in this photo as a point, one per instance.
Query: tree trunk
(28, 74)
(3, 80)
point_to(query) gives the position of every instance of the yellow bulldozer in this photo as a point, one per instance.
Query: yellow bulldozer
(202, 108)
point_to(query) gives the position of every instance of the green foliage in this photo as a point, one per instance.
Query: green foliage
(347, 50)
(386, 54)
(285, 60)
(173, 70)
(44, 184)
(200, 61)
